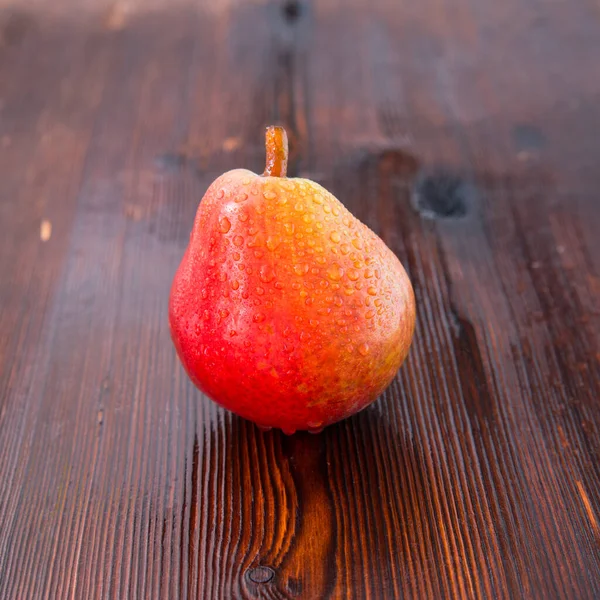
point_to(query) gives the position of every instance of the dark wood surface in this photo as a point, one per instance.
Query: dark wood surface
(467, 134)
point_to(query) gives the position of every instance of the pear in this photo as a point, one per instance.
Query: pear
(286, 309)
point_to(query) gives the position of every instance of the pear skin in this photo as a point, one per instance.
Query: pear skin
(286, 309)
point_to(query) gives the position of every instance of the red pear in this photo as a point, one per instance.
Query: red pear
(286, 309)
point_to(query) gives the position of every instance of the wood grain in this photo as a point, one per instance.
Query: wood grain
(466, 134)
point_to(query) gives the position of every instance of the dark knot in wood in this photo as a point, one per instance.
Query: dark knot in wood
(292, 9)
(443, 194)
(260, 574)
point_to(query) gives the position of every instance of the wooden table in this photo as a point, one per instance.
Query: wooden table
(466, 134)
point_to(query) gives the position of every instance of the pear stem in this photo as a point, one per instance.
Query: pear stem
(277, 152)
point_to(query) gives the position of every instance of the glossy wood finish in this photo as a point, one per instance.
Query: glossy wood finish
(467, 134)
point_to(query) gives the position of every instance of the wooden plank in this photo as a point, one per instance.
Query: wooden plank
(466, 135)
